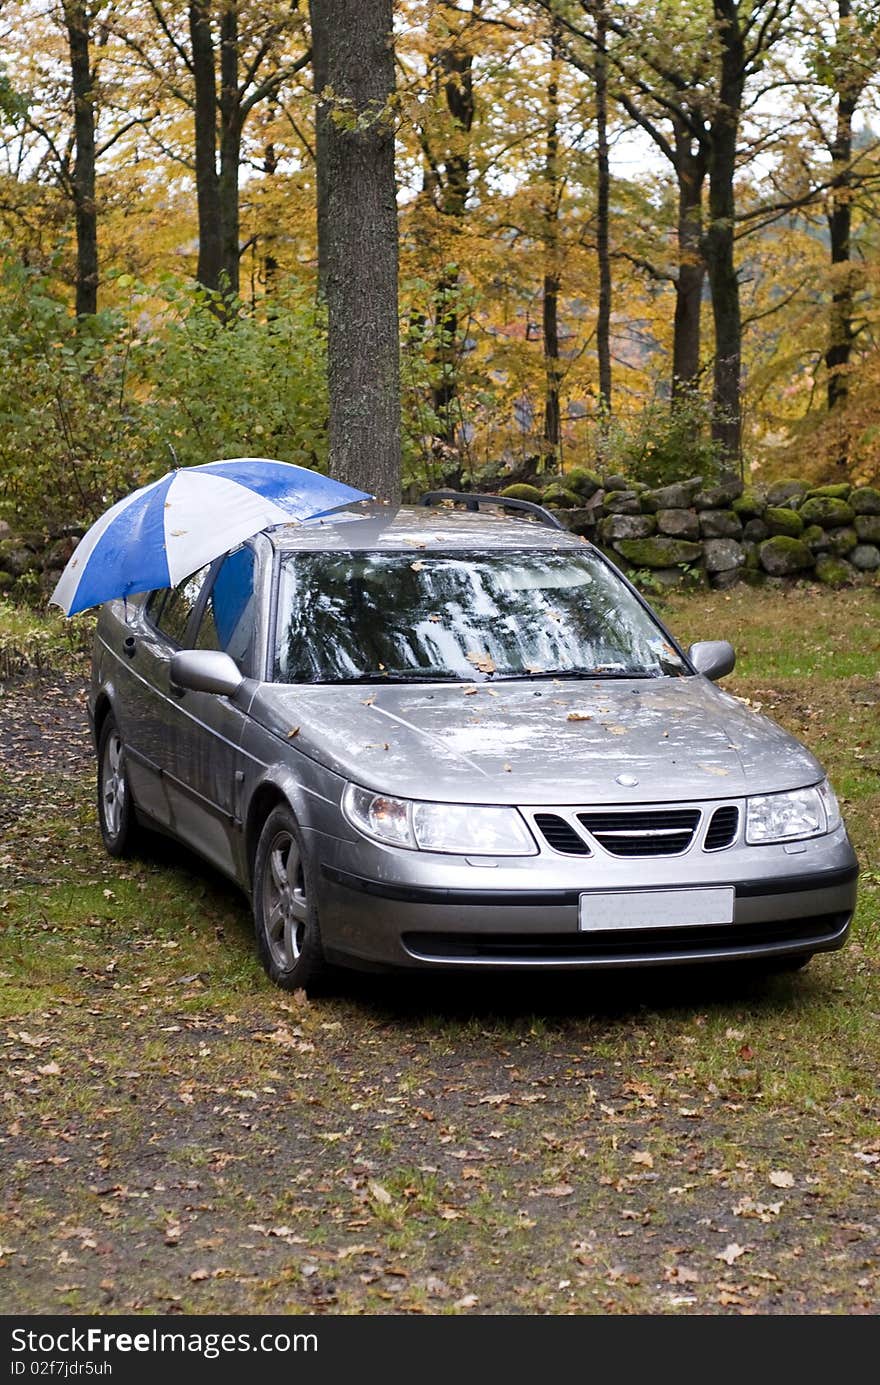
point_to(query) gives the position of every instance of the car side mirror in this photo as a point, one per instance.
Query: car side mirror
(713, 658)
(205, 670)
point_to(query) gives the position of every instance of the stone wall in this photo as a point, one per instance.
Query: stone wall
(725, 533)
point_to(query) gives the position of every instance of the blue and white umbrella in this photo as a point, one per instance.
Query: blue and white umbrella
(163, 532)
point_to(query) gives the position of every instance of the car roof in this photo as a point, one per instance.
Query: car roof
(374, 525)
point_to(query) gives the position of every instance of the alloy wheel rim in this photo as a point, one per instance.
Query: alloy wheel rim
(113, 785)
(284, 901)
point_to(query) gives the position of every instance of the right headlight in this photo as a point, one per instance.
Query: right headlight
(786, 817)
(460, 829)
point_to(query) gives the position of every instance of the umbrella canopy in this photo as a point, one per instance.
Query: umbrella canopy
(163, 532)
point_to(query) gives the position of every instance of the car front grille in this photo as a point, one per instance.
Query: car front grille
(722, 829)
(643, 832)
(561, 835)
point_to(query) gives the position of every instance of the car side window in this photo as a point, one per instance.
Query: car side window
(228, 620)
(173, 616)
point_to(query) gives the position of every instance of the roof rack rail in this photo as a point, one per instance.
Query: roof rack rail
(473, 501)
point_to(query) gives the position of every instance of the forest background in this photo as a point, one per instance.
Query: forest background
(640, 238)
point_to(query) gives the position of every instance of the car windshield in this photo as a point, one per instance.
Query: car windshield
(468, 616)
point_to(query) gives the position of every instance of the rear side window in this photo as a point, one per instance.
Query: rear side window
(228, 620)
(172, 617)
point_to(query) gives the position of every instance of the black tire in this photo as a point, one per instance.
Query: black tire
(285, 913)
(116, 812)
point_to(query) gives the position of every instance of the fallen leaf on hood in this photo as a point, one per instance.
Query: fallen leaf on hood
(417, 565)
(469, 692)
(613, 728)
(579, 716)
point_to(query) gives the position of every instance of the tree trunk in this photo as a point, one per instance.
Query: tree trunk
(456, 63)
(690, 169)
(210, 263)
(318, 22)
(840, 335)
(603, 191)
(230, 149)
(83, 181)
(552, 275)
(718, 242)
(359, 251)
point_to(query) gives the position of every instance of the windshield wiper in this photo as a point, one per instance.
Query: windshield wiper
(382, 679)
(591, 675)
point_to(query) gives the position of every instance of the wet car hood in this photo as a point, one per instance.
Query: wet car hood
(541, 742)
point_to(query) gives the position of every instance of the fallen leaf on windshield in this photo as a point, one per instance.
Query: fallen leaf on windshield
(368, 701)
(483, 662)
(580, 716)
(294, 732)
(417, 565)
(435, 619)
(508, 769)
(469, 692)
(613, 728)
(714, 769)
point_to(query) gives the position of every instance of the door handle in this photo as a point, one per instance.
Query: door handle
(129, 646)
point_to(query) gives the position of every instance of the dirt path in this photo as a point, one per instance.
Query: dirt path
(177, 1136)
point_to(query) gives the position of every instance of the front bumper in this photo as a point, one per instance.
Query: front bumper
(416, 910)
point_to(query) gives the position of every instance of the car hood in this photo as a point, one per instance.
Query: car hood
(531, 742)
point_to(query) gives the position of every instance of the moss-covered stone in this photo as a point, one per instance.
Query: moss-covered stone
(832, 571)
(720, 524)
(755, 531)
(815, 536)
(865, 557)
(749, 505)
(722, 496)
(839, 491)
(781, 520)
(678, 524)
(782, 556)
(622, 503)
(753, 576)
(786, 491)
(868, 528)
(561, 497)
(616, 482)
(658, 552)
(865, 500)
(521, 491)
(828, 510)
(583, 482)
(842, 541)
(678, 496)
(615, 527)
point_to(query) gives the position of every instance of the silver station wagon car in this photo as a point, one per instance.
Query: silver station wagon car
(436, 737)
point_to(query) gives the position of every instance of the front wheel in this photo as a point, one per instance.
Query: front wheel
(285, 914)
(116, 815)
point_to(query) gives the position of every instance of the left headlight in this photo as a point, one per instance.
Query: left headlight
(784, 817)
(460, 829)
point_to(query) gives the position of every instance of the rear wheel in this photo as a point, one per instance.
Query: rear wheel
(285, 914)
(116, 815)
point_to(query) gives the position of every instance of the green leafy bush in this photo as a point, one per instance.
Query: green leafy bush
(91, 409)
(666, 442)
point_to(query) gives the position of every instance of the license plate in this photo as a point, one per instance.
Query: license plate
(610, 910)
